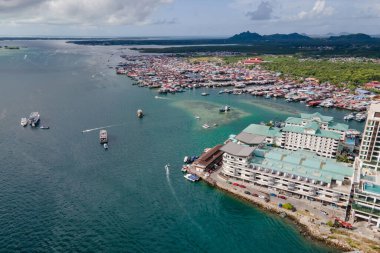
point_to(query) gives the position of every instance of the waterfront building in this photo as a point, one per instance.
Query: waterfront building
(298, 173)
(209, 159)
(366, 205)
(313, 132)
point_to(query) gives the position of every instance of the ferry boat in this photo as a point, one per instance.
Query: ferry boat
(140, 113)
(34, 119)
(24, 122)
(103, 137)
(191, 177)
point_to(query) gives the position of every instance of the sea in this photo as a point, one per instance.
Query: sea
(60, 191)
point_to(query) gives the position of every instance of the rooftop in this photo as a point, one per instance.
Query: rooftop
(250, 139)
(316, 116)
(237, 149)
(262, 130)
(302, 163)
(209, 157)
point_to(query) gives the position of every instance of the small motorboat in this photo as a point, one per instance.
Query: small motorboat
(24, 122)
(44, 127)
(205, 94)
(205, 126)
(191, 177)
(105, 146)
(140, 113)
(197, 117)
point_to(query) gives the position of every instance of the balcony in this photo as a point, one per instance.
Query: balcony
(366, 209)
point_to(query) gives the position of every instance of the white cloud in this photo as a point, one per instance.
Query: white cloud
(81, 12)
(319, 9)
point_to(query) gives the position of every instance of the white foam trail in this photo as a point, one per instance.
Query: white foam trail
(167, 169)
(157, 97)
(98, 128)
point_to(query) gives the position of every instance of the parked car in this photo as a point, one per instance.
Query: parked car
(236, 184)
(281, 197)
(325, 213)
(254, 195)
(247, 192)
(273, 195)
(242, 186)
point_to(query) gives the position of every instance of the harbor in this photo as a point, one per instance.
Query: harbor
(171, 74)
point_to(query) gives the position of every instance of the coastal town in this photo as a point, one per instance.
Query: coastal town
(170, 74)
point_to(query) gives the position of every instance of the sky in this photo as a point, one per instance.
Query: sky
(186, 17)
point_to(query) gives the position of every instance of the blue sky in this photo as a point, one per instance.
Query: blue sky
(186, 17)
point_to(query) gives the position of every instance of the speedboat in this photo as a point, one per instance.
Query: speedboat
(24, 122)
(191, 177)
(105, 146)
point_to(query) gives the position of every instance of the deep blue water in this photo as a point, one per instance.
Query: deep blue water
(60, 191)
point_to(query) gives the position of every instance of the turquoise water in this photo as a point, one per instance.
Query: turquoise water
(372, 188)
(60, 191)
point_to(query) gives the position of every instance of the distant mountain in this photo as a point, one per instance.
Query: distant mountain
(287, 37)
(359, 37)
(247, 36)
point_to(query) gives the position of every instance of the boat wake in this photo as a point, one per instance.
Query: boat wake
(98, 128)
(167, 170)
(158, 97)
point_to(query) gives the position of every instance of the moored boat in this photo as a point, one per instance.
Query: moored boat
(205, 126)
(44, 127)
(105, 146)
(191, 177)
(225, 109)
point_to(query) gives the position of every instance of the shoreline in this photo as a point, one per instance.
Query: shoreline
(306, 229)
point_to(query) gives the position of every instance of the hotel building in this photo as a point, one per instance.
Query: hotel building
(366, 204)
(298, 173)
(313, 132)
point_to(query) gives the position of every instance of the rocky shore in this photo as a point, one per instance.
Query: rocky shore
(338, 238)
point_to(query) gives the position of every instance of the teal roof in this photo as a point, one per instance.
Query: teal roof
(312, 125)
(319, 132)
(338, 126)
(292, 120)
(302, 163)
(262, 130)
(316, 115)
